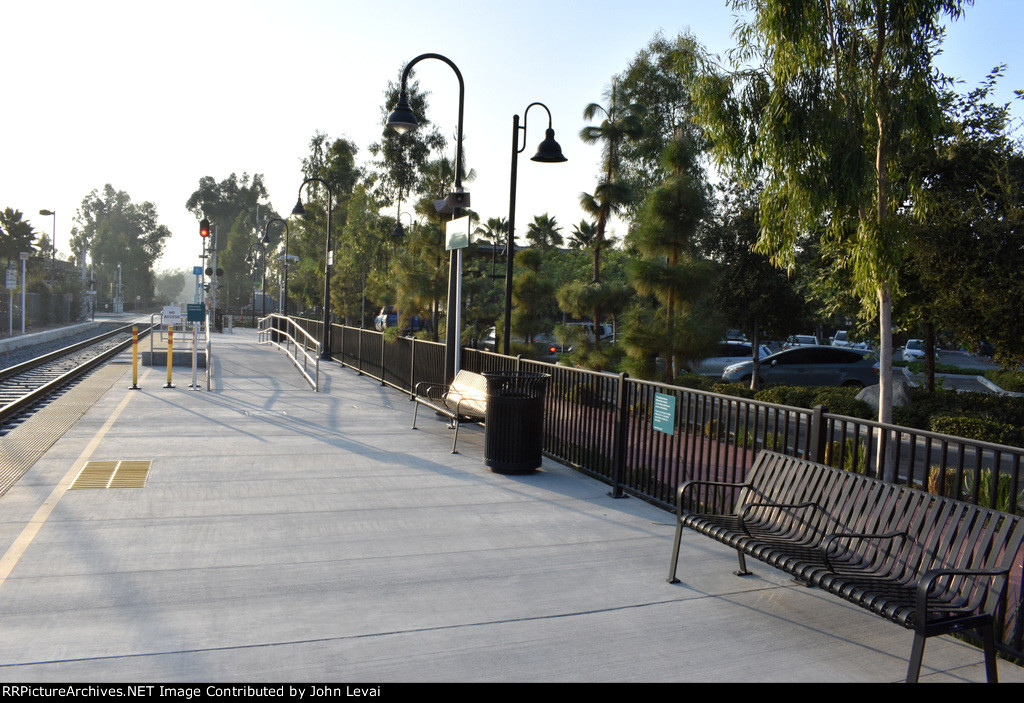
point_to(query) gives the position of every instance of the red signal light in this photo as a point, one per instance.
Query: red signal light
(204, 228)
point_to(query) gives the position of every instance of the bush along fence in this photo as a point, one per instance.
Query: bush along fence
(645, 438)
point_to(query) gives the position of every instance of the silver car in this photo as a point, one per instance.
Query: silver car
(729, 352)
(811, 366)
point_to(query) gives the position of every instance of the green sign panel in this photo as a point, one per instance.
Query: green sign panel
(196, 312)
(664, 413)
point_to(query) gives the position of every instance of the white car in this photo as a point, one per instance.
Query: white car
(801, 340)
(913, 350)
(729, 352)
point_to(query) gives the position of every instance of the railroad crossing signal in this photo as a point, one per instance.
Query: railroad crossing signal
(204, 228)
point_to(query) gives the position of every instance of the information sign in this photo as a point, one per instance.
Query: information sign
(195, 312)
(664, 418)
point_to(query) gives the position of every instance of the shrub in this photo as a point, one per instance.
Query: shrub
(980, 428)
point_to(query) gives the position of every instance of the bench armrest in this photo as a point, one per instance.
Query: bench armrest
(927, 582)
(430, 390)
(826, 541)
(686, 486)
(743, 513)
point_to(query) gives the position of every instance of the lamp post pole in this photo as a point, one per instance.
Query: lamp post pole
(282, 306)
(402, 120)
(548, 152)
(325, 350)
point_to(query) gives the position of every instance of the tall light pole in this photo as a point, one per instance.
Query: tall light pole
(403, 120)
(548, 152)
(325, 350)
(53, 240)
(282, 307)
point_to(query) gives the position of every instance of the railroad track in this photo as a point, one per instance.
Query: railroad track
(25, 386)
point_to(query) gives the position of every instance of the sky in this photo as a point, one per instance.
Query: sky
(151, 97)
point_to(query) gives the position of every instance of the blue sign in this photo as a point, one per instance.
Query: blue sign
(197, 270)
(664, 418)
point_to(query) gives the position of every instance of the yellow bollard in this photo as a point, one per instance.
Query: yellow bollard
(135, 359)
(170, 355)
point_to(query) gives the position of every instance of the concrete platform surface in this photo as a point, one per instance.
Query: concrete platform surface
(286, 535)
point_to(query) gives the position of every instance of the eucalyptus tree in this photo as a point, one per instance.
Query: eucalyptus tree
(400, 158)
(122, 237)
(832, 104)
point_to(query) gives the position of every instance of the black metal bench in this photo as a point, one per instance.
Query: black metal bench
(465, 400)
(931, 564)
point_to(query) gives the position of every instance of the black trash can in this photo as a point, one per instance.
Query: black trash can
(514, 421)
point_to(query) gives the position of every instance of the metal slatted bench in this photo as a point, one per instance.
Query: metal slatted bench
(465, 400)
(931, 564)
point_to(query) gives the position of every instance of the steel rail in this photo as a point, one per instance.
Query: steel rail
(36, 394)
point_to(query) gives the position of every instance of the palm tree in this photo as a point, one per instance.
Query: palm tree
(544, 231)
(584, 235)
(620, 122)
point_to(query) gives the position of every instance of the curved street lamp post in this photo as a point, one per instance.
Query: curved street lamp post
(282, 305)
(402, 119)
(325, 350)
(548, 152)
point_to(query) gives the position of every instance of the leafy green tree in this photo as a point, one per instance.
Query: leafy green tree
(667, 269)
(360, 251)
(400, 159)
(749, 292)
(235, 207)
(836, 103)
(653, 81)
(964, 271)
(120, 234)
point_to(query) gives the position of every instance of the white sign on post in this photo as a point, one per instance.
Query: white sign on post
(457, 233)
(172, 315)
(12, 279)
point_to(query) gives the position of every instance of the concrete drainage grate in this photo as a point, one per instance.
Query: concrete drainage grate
(112, 474)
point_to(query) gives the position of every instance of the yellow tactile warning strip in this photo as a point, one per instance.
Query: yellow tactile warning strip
(112, 474)
(23, 445)
(21, 543)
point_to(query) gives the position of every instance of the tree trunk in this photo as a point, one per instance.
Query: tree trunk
(929, 356)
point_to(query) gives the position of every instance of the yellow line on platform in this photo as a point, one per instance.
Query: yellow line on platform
(21, 544)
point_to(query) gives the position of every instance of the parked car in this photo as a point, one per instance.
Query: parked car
(389, 317)
(729, 352)
(811, 366)
(913, 350)
(801, 340)
(842, 339)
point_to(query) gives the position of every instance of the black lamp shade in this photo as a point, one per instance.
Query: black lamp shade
(549, 151)
(298, 209)
(398, 232)
(402, 119)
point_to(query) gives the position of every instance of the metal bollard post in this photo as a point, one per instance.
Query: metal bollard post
(170, 355)
(135, 359)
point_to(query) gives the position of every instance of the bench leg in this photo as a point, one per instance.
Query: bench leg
(743, 565)
(989, 640)
(916, 654)
(455, 439)
(414, 412)
(675, 554)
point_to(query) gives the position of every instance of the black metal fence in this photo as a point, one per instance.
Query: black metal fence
(645, 438)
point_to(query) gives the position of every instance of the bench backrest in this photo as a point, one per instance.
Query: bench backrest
(942, 532)
(469, 392)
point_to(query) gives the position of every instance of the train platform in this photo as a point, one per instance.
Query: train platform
(260, 532)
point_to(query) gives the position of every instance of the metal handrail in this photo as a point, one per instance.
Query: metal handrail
(274, 327)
